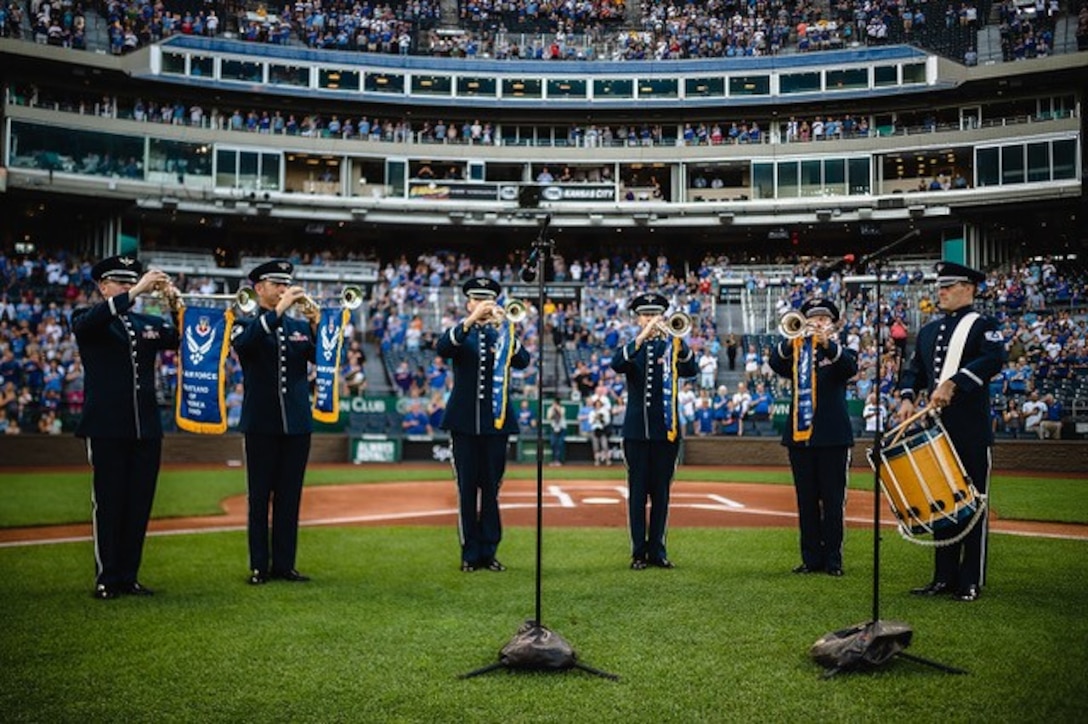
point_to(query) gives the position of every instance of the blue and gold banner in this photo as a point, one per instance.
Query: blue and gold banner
(330, 350)
(201, 402)
(500, 374)
(804, 387)
(670, 382)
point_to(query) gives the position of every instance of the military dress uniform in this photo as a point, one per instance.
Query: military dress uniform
(277, 422)
(651, 444)
(479, 448)
(820, 458)
(121, 423)
(960, 568)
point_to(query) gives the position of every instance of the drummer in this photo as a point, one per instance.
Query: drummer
(954, 357)
(819, 437)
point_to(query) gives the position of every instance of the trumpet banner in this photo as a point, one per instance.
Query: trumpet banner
(330, 351)
(201, 405)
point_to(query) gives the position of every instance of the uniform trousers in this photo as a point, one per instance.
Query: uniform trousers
(963, 564)
(651, 465)
(275, 467)
(126, 472)
(479, 462)
(819, 480)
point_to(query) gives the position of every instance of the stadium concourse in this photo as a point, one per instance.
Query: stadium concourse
(576, 503)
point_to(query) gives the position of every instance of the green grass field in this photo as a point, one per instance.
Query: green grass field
(389, 623)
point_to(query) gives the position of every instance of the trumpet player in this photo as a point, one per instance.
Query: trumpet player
(819, 437)
(274, 350)
(480, 417)
(654, 363)
(120, 418)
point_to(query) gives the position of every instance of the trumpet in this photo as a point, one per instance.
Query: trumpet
(793, 325)
(677, 324)
(351, 297)
(512, 310)
(245, 298)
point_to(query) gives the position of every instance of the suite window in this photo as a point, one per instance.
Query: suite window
(476, 86)
(566, 88)
(173, 63)
(242, 70)
(292, 75)
(750, 85)
(914, 73)
(704, 87)
(434, 85)
(762, 181)
(1012, 164)
(383, 83)
(858, 173)
(789, 182)
(522, 88)
(987, 167)
(811, 178)
(799, 83)
(1064, 158)
(658, 88)
(1038, 162)
(201, 66)
(834, 177)
(613, 88)
(850, 79)
(251, 170)
(345, 80)
(885, 75)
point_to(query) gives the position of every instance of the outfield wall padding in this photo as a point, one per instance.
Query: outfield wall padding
(31, 451)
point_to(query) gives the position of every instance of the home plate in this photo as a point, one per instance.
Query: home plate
(600, 501)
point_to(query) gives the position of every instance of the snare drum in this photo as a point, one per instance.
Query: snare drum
(924, 480)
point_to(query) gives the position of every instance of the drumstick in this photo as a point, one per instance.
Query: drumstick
(902, 427)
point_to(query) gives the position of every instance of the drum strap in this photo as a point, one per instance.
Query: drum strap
(956, 345)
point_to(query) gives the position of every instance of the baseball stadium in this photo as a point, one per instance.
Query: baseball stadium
(310, 313)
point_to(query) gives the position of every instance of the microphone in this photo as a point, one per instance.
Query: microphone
(824, 272)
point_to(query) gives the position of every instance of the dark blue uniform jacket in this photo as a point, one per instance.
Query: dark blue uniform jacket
(835, 365)
(645, 416)
(472, 359)
(274, 352)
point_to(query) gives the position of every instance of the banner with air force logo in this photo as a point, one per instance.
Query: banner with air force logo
(201, 402)
(330, 341)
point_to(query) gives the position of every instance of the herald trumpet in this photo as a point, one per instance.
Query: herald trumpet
(792, 325)
(677, 324)
(245, 298)
(351, 297)
(515, 310)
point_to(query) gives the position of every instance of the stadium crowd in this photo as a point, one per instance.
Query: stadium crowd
(1040, 306)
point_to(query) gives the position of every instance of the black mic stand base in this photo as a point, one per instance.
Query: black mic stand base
(537, 648)
(867, 646)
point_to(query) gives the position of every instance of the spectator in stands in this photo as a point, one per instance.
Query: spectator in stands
(526, 418)
(557, 428)
(416, 421)
(1033, 411)
(1050, 427)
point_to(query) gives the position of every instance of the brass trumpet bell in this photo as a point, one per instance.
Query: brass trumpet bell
(678, 324)
(515, 310)
(793, 325)
(246, 300)
(351, 297)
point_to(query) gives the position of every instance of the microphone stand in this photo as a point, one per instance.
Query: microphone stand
(535, 647)
(875, 628)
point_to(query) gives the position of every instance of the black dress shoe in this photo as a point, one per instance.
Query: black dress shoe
(934, 588)
(638, 564)
(971, 593)
(257, 577)
(662, 563)
(291, 576)
(803, 568)
(137, 589)
(467, 567)
(104, 593)
(494, 565)
(836, 572)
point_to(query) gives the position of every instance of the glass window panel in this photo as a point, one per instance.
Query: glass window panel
(293, 75)
(914, 73)
(614, 88)
(382, 83)
(566, 88)
(859, 174)
(704, 87)
(658, 88)
(242, 70)
(762, 181)
(750, 85)
(1065, 159)
(1012, 164)
(79, 152)
(248, 167)
(332, 79)
(432, 85)
(987, 167)
(173, 161)
(811, 178)
(1039, 161)
(885, 75)
(173, 63)
(835, 177)
(201, 66)
(226, 167)
(849, 79)
(522, 87)
(476, 86)
(789, 181)
(799, 83)
(270, 171)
